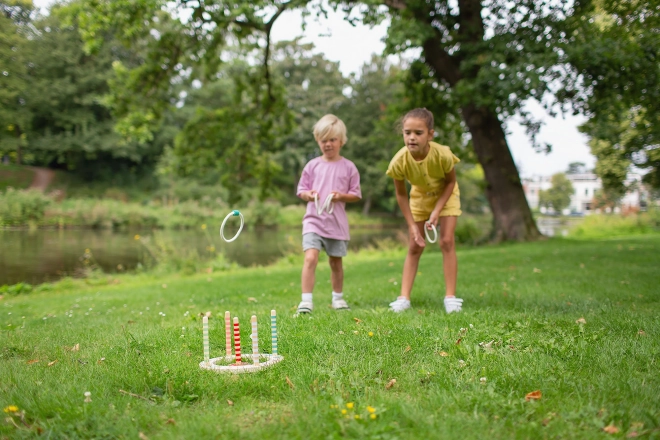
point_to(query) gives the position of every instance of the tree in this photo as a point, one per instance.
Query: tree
(616, 55)
(15, 18)
(485, 58)
(576, 168)
(558, 196)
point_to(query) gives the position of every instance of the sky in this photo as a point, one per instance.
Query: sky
(352, 46)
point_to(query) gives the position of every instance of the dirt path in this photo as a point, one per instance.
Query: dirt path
(42, 178)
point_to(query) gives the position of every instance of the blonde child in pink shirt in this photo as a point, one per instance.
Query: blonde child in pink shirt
(327, 183)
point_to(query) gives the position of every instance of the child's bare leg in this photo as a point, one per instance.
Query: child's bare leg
(337, 276)
(411, 264)
(449, 260)
(309, 270)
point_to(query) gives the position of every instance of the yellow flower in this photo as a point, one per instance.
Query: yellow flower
(371, 333)
(357, 417)
(343, 411)
(137, 236)
(333, 406)
(203, 227)
(371, 409)
(11, 409)
(372, 416)
(349, 405)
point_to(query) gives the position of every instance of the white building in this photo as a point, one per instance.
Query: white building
(585, 186)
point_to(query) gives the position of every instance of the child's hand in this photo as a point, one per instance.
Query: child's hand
(308, 196)
(417, 237)
(336, 196)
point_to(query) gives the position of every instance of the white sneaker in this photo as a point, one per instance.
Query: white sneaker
(453, 304)
(400, 305)
(305, 307)
(340, 304)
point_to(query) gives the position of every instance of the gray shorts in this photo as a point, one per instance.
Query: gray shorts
(334, 248)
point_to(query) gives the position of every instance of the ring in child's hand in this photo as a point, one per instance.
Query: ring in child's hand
(430, 226)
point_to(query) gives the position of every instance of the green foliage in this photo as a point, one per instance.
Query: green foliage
(16, 289)
(616, 225)
(558, 196)
(21, 207)
(518, 332)
(615, 54)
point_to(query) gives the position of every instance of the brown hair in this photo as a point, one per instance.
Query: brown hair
(420, 113)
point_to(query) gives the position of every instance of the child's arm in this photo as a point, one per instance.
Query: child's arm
(304, 186)
(346, 198)
(402, 199)
(450, 183)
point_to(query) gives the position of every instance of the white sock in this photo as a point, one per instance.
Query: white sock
(307, 297)
(336, 296)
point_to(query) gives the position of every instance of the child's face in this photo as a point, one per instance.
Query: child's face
(416, 135)
(330, 148)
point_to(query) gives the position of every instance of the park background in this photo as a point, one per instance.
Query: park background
(131, 128)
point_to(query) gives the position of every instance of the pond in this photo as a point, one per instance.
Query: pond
(37, 256)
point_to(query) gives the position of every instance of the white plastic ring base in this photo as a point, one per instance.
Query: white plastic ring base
(234, 213)
(246, 366)
(435, 232)
(327, 206)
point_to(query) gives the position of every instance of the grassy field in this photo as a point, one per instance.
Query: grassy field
(577, 321)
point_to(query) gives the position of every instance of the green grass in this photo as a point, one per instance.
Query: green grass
(525, 298)
(15, 176)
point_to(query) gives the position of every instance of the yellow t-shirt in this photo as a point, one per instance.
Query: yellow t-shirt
(427, 178)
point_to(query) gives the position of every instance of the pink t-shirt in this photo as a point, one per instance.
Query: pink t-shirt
(325, 177)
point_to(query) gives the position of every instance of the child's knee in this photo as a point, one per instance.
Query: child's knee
(311, 259)
(335, 263)
(447, 244)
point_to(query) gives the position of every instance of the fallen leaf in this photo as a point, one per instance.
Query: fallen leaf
(545, 422)
(641, 332)
(459, 341)
(131, 322)
(291, 385)
(100, 360)
(357, 320)
(390, 384)
(407, 349)
(142, 436)
(170, 422)
(534, 395)
(611, 429)
(252, 299)
(581, 321)
(75, 347)
(230, 402)
(33, 361)
(443, 354)
(50, 364)
(632, 434)
(537, 270)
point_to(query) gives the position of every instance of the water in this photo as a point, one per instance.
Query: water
(556, 227)
(39, 256)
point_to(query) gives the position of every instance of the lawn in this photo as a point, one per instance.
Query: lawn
(577, 321)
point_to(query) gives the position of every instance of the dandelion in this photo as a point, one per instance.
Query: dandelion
(333, 406)
(88, 397)
(371, 409)
(371, 333)
(372, 416)
(137, 236)
(343, 411)
(357, 417)
(204, 227)
(11, 409)
(349, 405)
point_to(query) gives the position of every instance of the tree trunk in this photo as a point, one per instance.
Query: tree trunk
(511, 214)
(367, 205)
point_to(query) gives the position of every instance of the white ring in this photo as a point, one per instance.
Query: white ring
(328, 205)
(426, 232)
(234, 213)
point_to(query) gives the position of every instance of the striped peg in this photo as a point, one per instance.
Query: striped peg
(228, 334)
(205, 333)
(237, 341)
(273, 331)
(255, 341)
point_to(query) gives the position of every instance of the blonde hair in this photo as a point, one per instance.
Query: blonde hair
(330, 126)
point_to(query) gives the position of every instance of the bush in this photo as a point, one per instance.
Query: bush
(21, 207)
(613, 225)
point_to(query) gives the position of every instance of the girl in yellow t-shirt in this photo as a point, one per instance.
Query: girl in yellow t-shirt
(434, 198)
